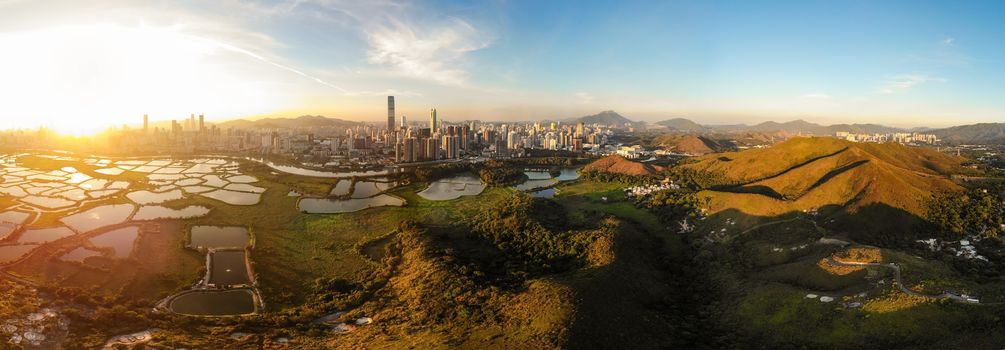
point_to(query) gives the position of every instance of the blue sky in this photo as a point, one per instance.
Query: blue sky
(905, 63)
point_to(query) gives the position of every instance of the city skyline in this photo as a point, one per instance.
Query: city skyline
(80, 68)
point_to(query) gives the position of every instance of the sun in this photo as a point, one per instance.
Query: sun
(82, 79)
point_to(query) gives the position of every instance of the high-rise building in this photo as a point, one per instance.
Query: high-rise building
(202, 123)
(146, 123)
(432, 120)
(404, 124)
(390, 112)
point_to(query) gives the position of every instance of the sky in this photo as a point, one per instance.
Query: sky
(80, 66)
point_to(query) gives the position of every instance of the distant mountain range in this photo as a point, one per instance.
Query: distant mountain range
(975, 133)
(306, 121)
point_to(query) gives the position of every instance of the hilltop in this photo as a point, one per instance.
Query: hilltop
(604, 118)
(615, 164)
(681, 124)
(840, 178)
(692, 144)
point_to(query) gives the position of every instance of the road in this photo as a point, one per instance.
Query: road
(900, 284)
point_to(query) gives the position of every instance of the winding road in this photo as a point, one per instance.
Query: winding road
(896, 275)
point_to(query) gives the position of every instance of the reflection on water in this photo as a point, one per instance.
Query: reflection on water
(332, 206)
(234, 197)
(79, 254)
(453, 188)
(120, 240)
(532, 184)
(228, 268)
(44, 235)
(98, 217)
(545, 193)
(147, 197)
(319, 173)
(217, 237)
(215, 303)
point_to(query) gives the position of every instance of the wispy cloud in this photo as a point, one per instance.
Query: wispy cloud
(402, 38)
(948, 41)
(436, 54)
(901, 83)
(585, 97)
(815, 96)
(258, 57)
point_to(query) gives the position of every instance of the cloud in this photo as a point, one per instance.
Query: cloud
(948, 41)
(815, 96)
(585, 97)
(430, 53)
(402, 38)
(901, 83)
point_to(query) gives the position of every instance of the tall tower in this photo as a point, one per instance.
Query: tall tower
(432, 120)
(202, 123)
(146, 123)
(390, 112)
(404, 124)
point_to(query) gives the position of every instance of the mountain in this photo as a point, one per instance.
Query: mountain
(603, 118)
(306, 121)
(975, 133)
(692, 144)
(807, 128)
(615, 164)
(869, 186)
(681, 124)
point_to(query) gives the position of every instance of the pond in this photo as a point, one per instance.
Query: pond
(365, 189)
(6, 229)
(453, 188)
(48, 202)
(245, 188)
(341, 188)
(14, 217)
(44, 235)
(157, 212)
(545, 193)
(333, 206)
(568, 174)
(120, 240)
(10, 253)
(80, 254)
(234, 197)
(228, 268)
(214, 303)
(217, 237)
(319, 173)
(98, 217)
(532, 184)
(147, 197)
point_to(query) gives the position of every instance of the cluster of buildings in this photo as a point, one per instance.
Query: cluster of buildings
(900, 137)
(343, 143)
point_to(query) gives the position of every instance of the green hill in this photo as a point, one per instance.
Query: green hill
(843, 178)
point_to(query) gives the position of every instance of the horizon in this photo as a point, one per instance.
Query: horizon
(79, 68)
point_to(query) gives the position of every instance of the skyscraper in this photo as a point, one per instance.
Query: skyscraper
(390, 112)
(146, 123)
(432, 120)
(202, 123)
(404, 124)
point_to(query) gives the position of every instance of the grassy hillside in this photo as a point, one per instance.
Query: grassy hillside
(864, 182)
(616, 164)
